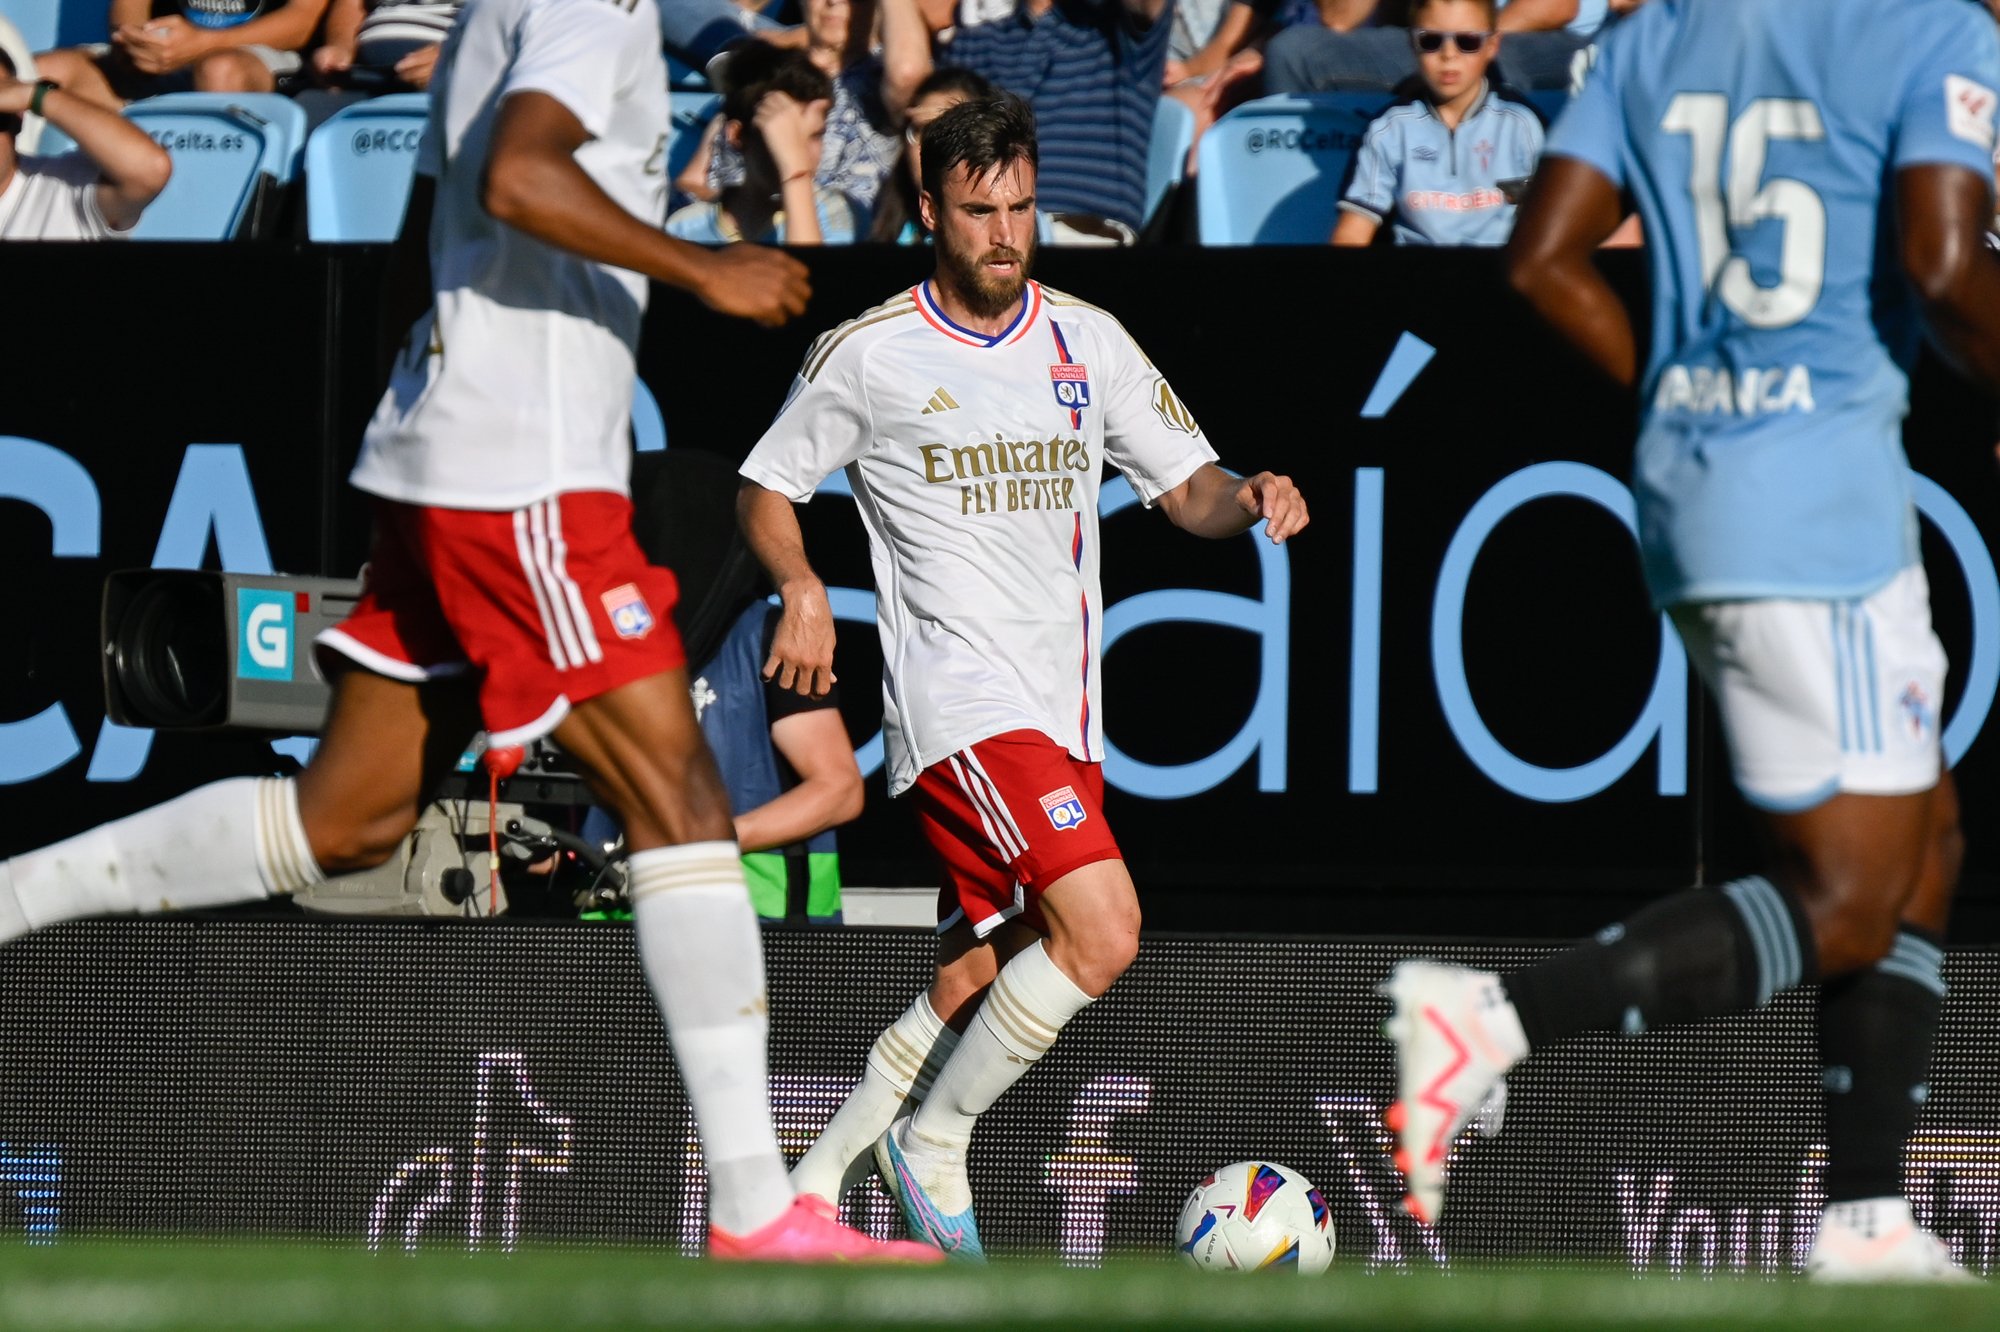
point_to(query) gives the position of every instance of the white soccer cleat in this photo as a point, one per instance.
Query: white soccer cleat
(1878, 1240)
(1456, 1033)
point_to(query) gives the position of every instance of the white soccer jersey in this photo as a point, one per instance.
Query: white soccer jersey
(976, 463)
(518, 384)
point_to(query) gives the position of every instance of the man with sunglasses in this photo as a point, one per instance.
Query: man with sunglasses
(1441, 162)
(1815, 188)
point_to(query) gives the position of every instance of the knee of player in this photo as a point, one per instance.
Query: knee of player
(1104, 953)
(1854, 927)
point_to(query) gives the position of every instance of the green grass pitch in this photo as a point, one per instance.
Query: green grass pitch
(140, 1287)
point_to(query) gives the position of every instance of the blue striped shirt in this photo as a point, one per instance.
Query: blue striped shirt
(1091, 69)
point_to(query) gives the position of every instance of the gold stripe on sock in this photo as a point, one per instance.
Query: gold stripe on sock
(1036, 1024)
(901, 1057)
(1006, 1014)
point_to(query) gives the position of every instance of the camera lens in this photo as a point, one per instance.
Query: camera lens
(169, 652)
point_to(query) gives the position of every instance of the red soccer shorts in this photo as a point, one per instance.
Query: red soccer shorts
(1007, 817)
(552, 604)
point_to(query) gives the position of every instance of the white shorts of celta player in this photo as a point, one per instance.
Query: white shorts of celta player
(1820, 697)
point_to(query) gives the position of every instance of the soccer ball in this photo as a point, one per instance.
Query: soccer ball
(1254, 1215)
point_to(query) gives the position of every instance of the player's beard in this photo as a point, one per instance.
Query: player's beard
(986, 296)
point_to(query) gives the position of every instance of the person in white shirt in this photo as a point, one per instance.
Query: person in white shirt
(973, 415)
(94, 193)
(505, 588)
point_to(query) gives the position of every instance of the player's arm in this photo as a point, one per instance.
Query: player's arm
(533, 183)
(802, 646)
(1942, 212)
(1571, 209)
(1216, 503)
(828, 793)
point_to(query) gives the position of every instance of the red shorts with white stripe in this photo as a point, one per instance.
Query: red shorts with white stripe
(1007, 817)
(552, 604)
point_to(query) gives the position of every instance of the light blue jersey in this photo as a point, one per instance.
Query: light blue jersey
(1441, 186)
(1760, 139)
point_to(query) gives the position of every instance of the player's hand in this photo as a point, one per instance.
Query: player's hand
(754, 283)
(781, 119)
(416, 68)
(163, 45)
(15, 96)
(802, 645)
(1277, 501)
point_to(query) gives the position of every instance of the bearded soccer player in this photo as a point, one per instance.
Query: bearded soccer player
(973, 415)
(1813, 186)
(505, 587)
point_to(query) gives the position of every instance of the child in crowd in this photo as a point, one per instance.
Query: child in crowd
(774, 112)
(1446, 163)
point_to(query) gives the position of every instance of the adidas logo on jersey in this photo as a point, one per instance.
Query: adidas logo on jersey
(941, 401)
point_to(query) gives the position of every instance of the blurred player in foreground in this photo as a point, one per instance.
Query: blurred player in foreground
(974, 414)
(505, 585)
(1811, 184)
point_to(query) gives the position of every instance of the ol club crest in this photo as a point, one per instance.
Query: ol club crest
(1072, 385)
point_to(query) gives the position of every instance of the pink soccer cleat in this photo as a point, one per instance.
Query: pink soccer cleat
(808, 1233)
(1456, 1033)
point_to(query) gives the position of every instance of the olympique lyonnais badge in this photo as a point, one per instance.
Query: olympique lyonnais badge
(630, 615)
(1065, 811)
(1072, 385)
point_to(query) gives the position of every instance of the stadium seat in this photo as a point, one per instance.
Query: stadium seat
(232, 153)
(359, 166)
(1167, 155)
(1271, 171)
(692, 110)
(47, 24)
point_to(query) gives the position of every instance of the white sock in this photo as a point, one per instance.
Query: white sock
(1017, 1022)
(231, 841)
(699, 945)
(902, 1064)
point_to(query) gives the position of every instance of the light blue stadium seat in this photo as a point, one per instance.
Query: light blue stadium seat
(230, 151)
(359, 165)
(47, 24)
(1271, 171)
(1167, 155)
(690, 114)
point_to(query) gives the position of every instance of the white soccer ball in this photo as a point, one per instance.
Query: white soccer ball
(1255, 1215)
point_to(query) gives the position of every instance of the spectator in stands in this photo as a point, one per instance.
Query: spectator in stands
(1195, 24)
(1373, 51)
(897, 219)
(1091, 70)
(774, 116)
(160, 46)
(1445, 163)
(789, 766)
(94, 193)
(871, 92)
(390, 45)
